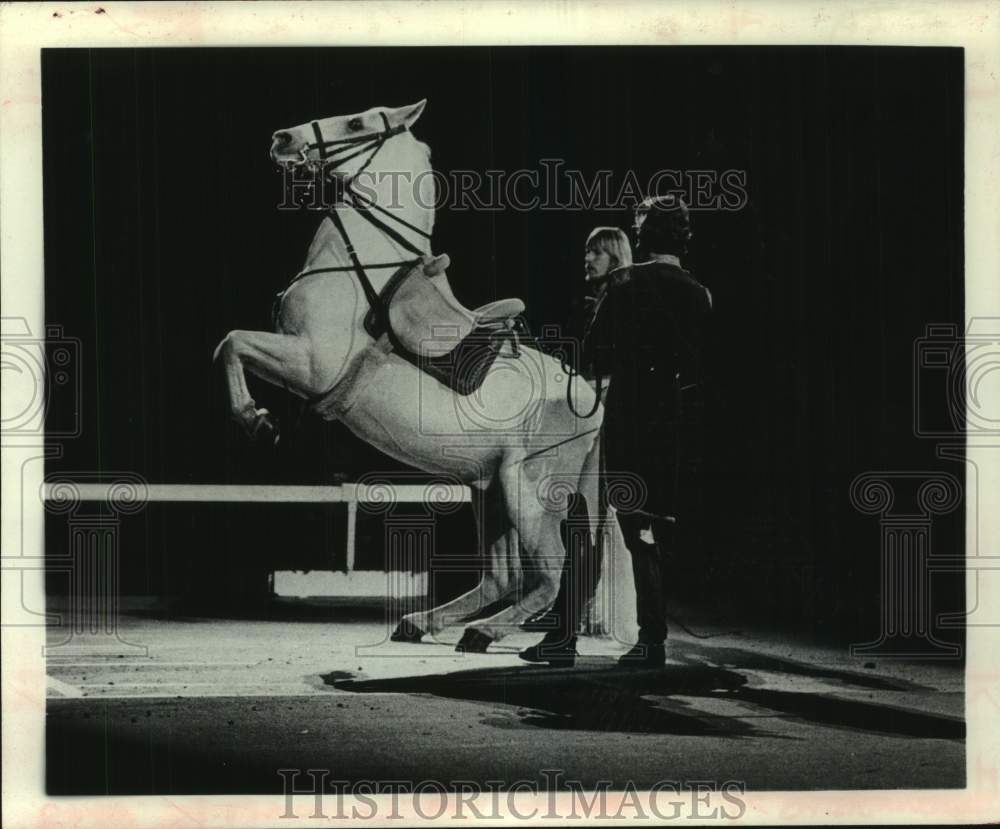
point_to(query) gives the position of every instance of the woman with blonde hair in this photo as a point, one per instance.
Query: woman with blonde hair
(607, 261)
(607, 249)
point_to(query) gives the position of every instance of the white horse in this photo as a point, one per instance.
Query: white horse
(515, 440)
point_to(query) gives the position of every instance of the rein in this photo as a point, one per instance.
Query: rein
(364, 207)
(571, 373)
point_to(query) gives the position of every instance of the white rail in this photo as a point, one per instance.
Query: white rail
(348, 494)
(256, 493)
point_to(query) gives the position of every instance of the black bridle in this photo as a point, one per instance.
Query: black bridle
(363, 205)
(371, 141)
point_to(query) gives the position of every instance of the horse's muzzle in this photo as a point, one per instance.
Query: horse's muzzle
(282, 151)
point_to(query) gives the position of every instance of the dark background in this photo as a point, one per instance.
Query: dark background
(162, 234)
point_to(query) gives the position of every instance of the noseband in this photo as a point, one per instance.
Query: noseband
(363, 206)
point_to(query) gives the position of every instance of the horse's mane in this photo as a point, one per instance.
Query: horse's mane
(428, 181)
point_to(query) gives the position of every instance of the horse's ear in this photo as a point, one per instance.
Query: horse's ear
(406, 116)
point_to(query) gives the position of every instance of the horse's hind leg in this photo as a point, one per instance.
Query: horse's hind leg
(499, 541)
(280, 359)
(537, 524)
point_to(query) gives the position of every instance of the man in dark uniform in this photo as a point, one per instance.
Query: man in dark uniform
(651, 338)
(647, 334)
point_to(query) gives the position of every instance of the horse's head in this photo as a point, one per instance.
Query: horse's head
(343, 144)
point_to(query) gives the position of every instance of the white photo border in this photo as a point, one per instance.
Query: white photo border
(26, 28)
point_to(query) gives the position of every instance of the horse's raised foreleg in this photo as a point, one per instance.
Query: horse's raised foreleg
(281, 359)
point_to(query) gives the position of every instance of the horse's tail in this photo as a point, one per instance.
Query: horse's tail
(611, 611)
(591, 488)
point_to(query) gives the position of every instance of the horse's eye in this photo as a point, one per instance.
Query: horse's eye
(354, 124)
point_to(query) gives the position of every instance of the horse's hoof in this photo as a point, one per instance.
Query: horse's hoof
(265, 428)
(435, 265)
(407, 632)
(473, 641)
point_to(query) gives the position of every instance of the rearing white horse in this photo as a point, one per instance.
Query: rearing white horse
(515, 440)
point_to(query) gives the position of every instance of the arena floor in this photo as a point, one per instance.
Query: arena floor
(212, 705)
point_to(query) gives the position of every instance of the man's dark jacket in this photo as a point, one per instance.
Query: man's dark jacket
(648, 334)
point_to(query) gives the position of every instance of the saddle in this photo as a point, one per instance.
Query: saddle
(423, 322)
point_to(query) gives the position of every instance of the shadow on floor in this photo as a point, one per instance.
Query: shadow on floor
(593, 697)
(596, 696)
(695, 653)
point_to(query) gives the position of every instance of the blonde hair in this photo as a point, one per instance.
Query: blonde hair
(612, 241)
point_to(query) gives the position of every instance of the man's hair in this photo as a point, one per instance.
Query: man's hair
(667, 227)
(612, 241)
